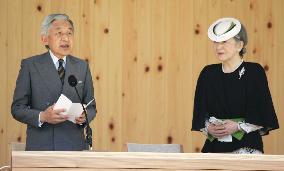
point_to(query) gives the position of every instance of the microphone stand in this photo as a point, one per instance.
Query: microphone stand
(89, 138)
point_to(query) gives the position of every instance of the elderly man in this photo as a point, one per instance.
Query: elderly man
(41, 81)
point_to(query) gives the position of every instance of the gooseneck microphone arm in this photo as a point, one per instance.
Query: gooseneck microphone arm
(72, 80)
(89, 138)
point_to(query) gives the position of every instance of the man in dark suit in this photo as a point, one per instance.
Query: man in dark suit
(42, 79)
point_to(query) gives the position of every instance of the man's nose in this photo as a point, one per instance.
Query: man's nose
(65, 37)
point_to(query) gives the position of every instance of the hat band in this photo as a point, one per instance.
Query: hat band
(229, 29)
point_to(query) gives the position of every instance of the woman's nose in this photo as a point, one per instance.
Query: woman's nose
(218, 45)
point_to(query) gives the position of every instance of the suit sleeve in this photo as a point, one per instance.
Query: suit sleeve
(21, 106)
(89, 95)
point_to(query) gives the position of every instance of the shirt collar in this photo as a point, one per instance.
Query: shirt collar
(55, 59)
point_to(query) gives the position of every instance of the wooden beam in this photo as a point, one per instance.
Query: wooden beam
(127, 160)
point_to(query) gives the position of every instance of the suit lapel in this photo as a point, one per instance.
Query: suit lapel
(48, 72)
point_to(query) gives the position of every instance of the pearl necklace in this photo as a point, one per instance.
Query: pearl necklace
(234, 68)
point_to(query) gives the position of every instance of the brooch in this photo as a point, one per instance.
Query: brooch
(241, 72)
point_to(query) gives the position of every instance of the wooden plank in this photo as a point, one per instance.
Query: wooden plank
(131, 66)
(3, 86)
(137, 74)
(90, 169)
(157, 75)
(127, 160)
(14, 133)
(115, 63)
(185, 79)
(32, 16)
(141, 104)
(179, 69)
(278, 75)
(172, 53)
(102, 87)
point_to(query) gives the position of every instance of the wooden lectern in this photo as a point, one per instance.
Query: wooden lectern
(130, 161)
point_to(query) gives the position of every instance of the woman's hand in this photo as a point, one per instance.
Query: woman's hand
(231, 126)
(220, 130)
(217, 130)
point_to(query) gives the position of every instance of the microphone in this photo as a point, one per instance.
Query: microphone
(72, 80)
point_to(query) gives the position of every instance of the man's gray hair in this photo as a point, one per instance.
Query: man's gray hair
(52, 17)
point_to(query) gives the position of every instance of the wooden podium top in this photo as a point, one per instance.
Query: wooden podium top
(85, 161)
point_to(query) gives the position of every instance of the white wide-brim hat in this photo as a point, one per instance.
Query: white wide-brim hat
(224, 29)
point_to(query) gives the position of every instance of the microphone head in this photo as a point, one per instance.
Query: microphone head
(72, 80)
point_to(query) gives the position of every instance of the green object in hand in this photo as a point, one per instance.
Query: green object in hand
(238, 135)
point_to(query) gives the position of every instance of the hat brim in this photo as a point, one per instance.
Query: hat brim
(227, 35)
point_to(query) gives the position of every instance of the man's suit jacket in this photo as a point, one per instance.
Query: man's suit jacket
(38, 87)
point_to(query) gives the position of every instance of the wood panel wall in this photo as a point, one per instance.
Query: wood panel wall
(145, 57)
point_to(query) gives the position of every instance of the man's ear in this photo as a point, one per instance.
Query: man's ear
(44, 39)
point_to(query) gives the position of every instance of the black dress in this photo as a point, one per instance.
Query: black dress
(243, 93)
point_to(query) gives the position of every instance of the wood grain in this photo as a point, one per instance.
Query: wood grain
(151, 161)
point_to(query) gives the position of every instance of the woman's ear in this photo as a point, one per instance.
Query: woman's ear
(241, 45)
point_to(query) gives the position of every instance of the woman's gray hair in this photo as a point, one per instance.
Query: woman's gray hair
(242, 36)
(52, 17)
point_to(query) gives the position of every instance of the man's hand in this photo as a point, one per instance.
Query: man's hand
(220, 130)
(53, 116)
(81, 119)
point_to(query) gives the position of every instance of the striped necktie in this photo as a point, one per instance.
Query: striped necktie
(61, 71)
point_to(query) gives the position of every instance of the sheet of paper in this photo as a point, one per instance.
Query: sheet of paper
(71, 109)
(227, 138)
(75, 111)
(63, 103)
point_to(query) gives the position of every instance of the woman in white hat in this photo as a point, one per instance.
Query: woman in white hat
(232, 104)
